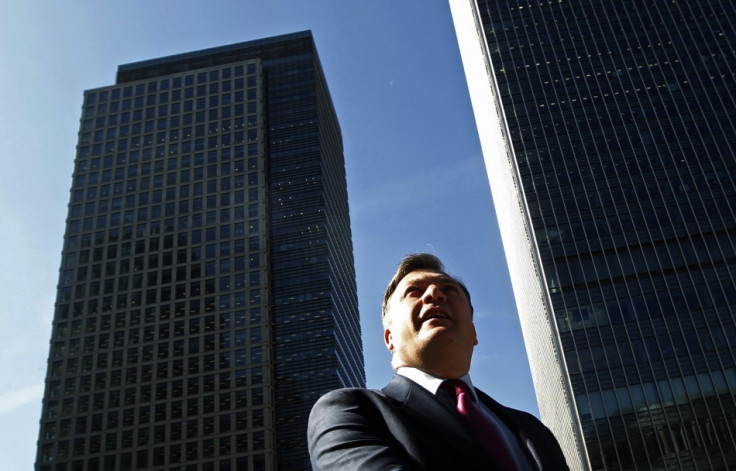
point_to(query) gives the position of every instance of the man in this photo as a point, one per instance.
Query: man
(424, 420)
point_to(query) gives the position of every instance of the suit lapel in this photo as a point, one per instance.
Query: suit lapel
(420, 404)
(526, 444)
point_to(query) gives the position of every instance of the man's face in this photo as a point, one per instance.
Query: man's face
(429, 324)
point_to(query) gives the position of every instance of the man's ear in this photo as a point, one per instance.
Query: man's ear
(475, 335)
(388, 339)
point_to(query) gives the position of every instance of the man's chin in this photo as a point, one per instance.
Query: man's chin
(432, 329)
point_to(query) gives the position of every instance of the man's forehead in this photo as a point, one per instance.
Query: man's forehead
(425, 275)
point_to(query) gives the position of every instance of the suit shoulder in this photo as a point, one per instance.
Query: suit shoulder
(353, 392)
(345, 397)
(522, 415)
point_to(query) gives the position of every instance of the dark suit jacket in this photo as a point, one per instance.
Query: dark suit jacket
(405, 427)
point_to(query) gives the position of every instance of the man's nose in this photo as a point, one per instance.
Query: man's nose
(433, 294)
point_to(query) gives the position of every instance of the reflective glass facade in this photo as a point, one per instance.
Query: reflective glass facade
(609, 134)
(207, 290)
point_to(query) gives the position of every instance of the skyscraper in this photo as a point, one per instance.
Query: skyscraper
(207, 289)
(609, 137)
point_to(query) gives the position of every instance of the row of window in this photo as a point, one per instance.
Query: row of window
(184, 241)
(144, 145)
(198, 398)
(193, 221)
(174, 83)
(127, 166)
(138, 393)
(154, 261)
(222, 261)
(168, 116)
(145, 230)
(107, 303)
(149, 317)
(224, 154)
(666, 258)
(185, 218)
(169, 130)
(116, 139)
(688, 345)
(221, 448)
(157, 211)
(72, 348)
(631, 229)
(574, 166)
(166, 294)
(176, 432)
(700, 442)
(636, 17)
(226, 143)
(82, 353)
(655, 305)
(238, 90)
(123, 282)
(223, 141)
(224, 233)
(683, 291)
(110, 198)
(141, 460)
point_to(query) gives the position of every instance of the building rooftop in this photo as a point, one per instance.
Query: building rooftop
(289, 44)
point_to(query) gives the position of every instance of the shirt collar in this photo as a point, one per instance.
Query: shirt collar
(430, 382)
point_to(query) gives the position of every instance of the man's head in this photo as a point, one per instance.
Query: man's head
(428, 318)
(410, 263)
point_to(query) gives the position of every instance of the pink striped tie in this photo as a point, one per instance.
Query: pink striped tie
(484, 432)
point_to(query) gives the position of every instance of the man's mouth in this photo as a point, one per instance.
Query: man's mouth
(435, 314)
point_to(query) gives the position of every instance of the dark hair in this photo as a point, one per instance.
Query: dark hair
(414, 262)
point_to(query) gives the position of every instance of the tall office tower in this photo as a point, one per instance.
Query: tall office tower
(609, 135)
(207, 290)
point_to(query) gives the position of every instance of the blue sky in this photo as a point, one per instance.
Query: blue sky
(416, 179)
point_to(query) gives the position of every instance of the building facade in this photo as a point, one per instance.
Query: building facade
(207, 291)
(609, 137)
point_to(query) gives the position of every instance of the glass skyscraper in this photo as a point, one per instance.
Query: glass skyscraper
(207, 291)
(609, 135)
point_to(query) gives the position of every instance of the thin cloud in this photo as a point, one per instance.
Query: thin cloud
(12, 400)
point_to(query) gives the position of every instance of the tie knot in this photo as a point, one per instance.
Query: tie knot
(456, 385)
